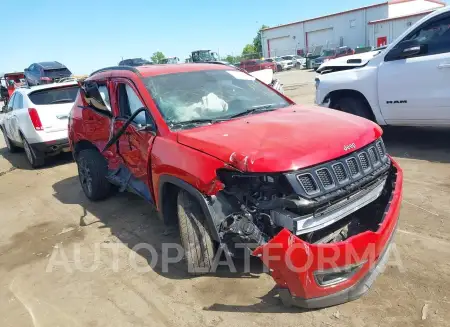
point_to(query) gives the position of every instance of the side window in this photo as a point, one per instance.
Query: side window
(435, 36)
(18, 101)
(129, 102)
(103, 89)
(11, 102)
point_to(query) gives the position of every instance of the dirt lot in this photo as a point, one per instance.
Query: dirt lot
(44, 213)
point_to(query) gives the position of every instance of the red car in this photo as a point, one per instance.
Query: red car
(256, 64)
(235, 165)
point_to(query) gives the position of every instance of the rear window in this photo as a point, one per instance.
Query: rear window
(54, 96)
(57, 73)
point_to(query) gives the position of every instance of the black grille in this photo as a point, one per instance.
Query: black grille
(315, 181)
(353, 166)
(308, 183)
(340, 172)
(325, 177)
(380, 149)
(373, 155)
(364, 160)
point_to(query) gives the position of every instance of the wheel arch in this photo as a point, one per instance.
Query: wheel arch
(168, 189)
(83, 145)
(333, 96)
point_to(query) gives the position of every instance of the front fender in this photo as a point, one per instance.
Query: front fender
(362, 80)
(212, 218)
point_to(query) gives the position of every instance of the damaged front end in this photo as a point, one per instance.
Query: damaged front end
(320, 230)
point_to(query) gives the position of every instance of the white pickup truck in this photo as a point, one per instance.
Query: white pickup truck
(406, 83)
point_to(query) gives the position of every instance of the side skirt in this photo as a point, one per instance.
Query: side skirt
(123, 178)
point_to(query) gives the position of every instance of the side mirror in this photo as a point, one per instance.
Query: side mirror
(92, 95)
(405, 49)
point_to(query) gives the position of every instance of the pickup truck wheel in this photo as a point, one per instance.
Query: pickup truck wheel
(195, 238)
(11, 147)
(353, 105)
(36, 160)
(92, 170)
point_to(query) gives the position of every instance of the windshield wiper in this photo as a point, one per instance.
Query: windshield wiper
(264, 107)
(196, 121)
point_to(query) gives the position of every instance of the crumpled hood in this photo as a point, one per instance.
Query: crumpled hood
(282, 140)
(356, 60)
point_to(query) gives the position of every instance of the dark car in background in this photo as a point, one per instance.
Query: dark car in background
(256, 64)
(45, 72)
(332, 54)
(135, 62)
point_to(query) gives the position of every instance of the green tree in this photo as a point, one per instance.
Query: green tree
(157, 57)
(231, 59)
(257, 40)
(249, 52)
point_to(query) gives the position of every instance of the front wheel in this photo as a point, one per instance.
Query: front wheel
(195, 238)
(279, 68)
(11, 147)
(353, 105)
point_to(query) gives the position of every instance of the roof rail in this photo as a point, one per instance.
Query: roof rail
(66, 79)
(129, 68)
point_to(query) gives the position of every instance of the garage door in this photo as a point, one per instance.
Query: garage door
(320, 37)
(279, 46)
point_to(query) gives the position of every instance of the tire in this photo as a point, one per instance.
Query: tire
(92, 171)
(279, 68)
(353, 105)
(195, 237)
(35, 159)
(11, 147)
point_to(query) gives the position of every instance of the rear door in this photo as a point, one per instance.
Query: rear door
(53, 106)
(7, 116)
(135, 144)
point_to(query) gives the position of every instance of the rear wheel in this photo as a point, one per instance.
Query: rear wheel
(92, 171)
(35, 159)
(11, 147)
(195, 238)
(353, 105)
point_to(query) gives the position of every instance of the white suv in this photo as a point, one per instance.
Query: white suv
(36, 119)
(405, 84)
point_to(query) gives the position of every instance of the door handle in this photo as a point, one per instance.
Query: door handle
(444, 65)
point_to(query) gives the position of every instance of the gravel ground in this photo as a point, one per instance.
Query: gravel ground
(50, 274)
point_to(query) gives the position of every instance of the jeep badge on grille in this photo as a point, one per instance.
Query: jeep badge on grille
(349, 146)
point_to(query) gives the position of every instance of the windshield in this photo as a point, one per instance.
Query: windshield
(269, 60)
(278, 59)
(205, 56)
(287, 57)
(328, 53)
(209, 95)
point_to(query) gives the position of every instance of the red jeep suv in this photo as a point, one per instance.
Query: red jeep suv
(235, 164)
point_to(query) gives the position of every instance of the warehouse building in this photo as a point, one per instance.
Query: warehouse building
(374, 25)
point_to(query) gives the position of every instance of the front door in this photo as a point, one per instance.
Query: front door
(415, 90)
(134, 146)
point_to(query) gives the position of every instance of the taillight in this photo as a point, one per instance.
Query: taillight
(34, 116)
(45, 78)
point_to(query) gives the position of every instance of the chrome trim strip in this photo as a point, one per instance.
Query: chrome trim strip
(355, 202)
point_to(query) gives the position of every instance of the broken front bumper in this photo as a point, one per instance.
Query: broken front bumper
(321, 275)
